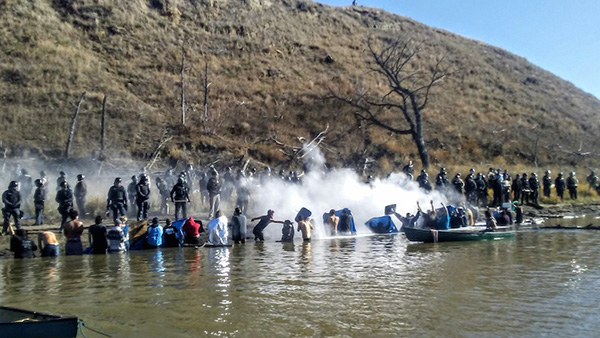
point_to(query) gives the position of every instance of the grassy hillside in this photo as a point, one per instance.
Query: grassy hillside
(270, 64)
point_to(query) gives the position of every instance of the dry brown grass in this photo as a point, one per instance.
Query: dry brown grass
(267, 71)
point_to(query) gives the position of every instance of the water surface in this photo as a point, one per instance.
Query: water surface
(542, 283)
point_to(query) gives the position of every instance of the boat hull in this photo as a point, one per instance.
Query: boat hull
(22, 323)
(455, 235)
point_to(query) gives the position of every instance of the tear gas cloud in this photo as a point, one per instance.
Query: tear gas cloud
(321, 191)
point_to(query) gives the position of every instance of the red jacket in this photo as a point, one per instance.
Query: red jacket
(192, 228)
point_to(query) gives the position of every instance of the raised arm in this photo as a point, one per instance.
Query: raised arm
(445, 208)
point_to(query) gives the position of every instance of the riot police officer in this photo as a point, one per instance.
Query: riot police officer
(546, 183)
(64, 198)
(142, 197)
(12, 204)
(80, 193)
(117, 199)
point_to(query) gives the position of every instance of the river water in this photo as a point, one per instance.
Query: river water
(541, 283)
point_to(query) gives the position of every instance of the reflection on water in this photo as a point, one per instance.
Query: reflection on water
(540, 283)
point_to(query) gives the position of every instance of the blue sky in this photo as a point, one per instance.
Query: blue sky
(562, 37)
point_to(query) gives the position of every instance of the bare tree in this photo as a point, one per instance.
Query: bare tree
(102, 129)
(409, 91)
(205, 104)
(72, 128)
(182, 83)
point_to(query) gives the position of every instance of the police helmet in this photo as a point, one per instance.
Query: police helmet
(64, 184)
(118, 180)
(80, 177)
(38, 183)
(62, 174)
(13, 185)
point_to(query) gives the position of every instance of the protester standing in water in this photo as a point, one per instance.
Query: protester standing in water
(172, 237)
(332, 221)
(117, 238)
(97, 237)
(154, 237)
(48, 244)
(72, 231)
(217, 229)
(262, 224)
(345, 222)
(238, 226)
(305, 226)
(22, 246)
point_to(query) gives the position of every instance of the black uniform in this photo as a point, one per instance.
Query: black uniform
(525, 190)
(80, 193)
(117, 201)
(534, 186)
(517, 188)
(559, 184)
(12, 204)
(132, 194)
(180, 195)
(39, 201)
(424, 183)
(547, 185)
(64, 198)
(482, 190)
(572, 184)
(471, 189)
(143, 196)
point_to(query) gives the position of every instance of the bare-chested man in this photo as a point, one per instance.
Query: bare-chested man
(48, 244)
(332, 220)
(305, 227)
(73, 230)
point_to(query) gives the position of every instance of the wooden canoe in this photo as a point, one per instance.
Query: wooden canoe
(25, 324)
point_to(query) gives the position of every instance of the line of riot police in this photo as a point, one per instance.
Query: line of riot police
(504, 188)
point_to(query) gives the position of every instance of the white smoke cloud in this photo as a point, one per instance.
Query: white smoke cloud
(321, 191)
